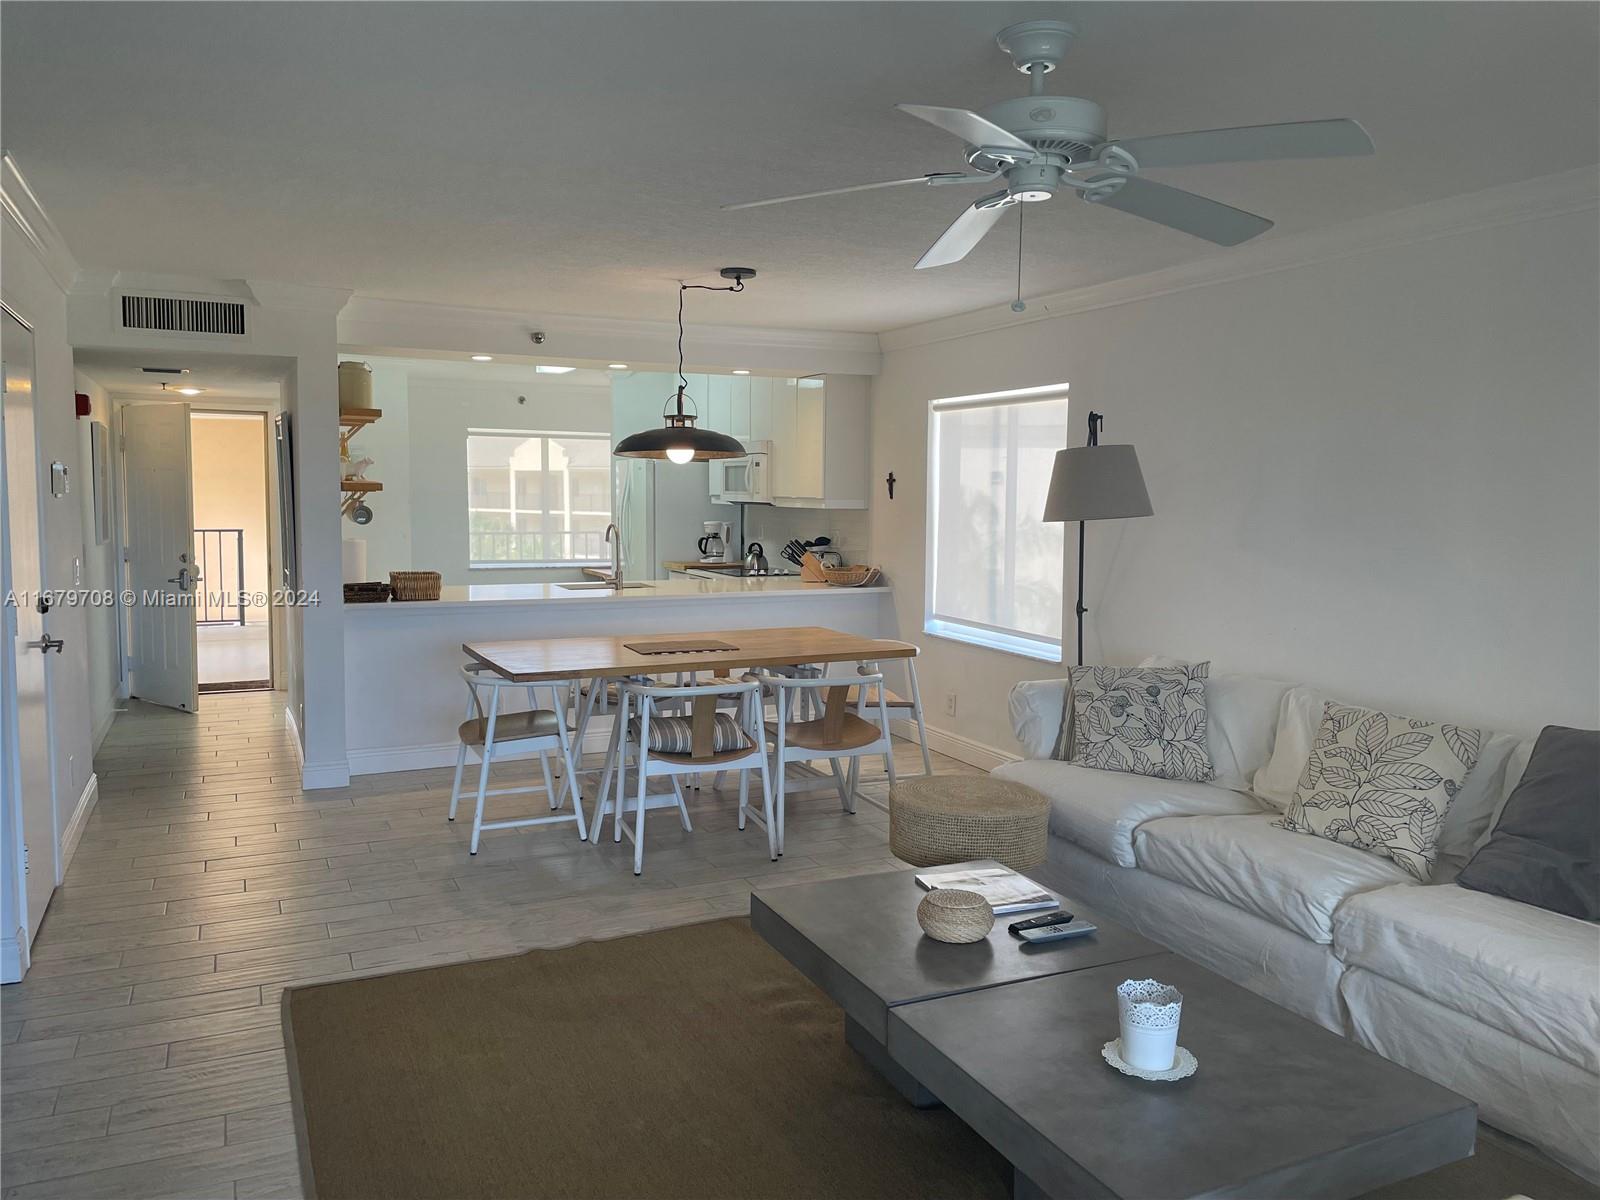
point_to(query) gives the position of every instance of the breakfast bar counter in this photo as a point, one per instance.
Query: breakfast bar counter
(403, 691)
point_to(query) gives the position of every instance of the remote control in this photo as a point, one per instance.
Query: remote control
(1057, 932)
(1051, 918)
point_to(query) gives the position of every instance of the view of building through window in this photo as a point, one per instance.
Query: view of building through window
(538, 499)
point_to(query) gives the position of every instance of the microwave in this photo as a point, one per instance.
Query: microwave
(746, 480)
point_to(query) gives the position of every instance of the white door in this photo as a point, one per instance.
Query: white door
(26, 624)
(159, 501)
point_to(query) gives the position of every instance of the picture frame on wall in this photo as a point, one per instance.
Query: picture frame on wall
(100, 472)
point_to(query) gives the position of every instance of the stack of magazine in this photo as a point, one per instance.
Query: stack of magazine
(1004, 889)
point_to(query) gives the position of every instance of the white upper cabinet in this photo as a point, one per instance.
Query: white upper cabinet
(818, 429)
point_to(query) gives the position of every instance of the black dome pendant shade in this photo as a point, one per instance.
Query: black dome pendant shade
(680, 440)
(680, 434)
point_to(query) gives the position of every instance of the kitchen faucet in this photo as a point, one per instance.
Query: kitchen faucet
(615, 578)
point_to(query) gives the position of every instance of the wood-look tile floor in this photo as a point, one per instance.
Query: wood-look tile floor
(143, 1054)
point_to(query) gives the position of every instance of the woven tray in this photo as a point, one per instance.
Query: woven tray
(366, 593)
(415, 585)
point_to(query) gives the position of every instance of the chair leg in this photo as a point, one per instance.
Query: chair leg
(683, 809)
(483, 786)
(780, 803)
(455, 788)
(572, 782)
(622, 784)
(744, 794)
(845, 799)
(638, 824)
(888, 765)
(614, 749)
(852, 783)
(766, 810)
(549, 783)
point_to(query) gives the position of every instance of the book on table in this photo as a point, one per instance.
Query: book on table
(1004, 889)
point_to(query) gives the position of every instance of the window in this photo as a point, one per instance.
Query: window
(994, 565)
(537, 499)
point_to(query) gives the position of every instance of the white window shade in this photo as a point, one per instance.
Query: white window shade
(994, 565)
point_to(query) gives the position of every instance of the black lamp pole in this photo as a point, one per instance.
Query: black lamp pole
(1094, 440)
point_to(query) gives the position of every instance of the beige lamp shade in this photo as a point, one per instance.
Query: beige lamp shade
(1096, 483)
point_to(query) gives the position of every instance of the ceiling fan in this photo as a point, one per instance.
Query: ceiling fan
(1037, 145)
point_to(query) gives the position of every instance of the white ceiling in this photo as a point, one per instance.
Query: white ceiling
(252, 377)
(570, 158)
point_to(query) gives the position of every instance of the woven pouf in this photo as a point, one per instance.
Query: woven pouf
(942, 819)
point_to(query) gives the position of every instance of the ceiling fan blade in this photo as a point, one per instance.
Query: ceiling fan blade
(839, 191)
(1250, 143)
(968, 126)
(1185, 211)
(965, 232)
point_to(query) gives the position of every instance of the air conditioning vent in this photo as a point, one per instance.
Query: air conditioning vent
(175, 315)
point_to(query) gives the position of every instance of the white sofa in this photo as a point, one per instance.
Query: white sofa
(1495, 999)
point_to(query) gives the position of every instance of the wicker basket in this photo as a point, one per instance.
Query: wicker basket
(954, 915)
(941, 819)
(415, 585)
(849, 576)
(366, 593)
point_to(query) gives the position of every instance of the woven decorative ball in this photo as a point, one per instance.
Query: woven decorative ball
(941, 819)
(954, 915)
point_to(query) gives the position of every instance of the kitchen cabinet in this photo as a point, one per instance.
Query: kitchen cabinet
(719, 405)
(784, 426)
(739, 407)
(817, 427)
(760, 407)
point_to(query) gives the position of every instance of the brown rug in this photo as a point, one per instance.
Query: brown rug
(690, 1062)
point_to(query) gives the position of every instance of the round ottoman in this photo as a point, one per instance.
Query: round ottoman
(941, 819)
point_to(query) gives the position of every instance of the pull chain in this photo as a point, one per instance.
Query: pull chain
(1017, 305)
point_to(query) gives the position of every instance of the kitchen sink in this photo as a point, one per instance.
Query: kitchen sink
(600, 585)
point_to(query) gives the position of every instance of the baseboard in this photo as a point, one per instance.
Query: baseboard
(14, 957)
(323, 775)
(443, 754)
(73, 834)
(294, 735)
(105, 727)
(958, 746)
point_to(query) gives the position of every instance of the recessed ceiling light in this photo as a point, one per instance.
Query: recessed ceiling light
(740, 371)
(547, 369)
(483, 358)
(187, 389)
(618, 367)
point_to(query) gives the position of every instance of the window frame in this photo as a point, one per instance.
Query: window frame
(961, 629)
(544, 437)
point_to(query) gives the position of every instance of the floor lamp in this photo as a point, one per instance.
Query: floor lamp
(1095, 483)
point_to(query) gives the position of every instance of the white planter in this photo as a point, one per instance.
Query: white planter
(1150, 1012)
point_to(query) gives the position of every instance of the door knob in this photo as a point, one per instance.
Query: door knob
(47, 644)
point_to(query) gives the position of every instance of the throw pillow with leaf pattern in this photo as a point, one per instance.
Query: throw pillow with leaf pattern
(1382, 783)
(1139, 720)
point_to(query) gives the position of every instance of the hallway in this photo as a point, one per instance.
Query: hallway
(143, 1052)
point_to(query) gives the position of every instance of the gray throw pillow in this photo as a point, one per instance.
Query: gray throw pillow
(1545, 850)
(1138, 720)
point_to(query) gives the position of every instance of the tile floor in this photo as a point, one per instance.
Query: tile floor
(143, 1054)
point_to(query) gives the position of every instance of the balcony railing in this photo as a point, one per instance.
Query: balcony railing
(492, 547)
(219, 553)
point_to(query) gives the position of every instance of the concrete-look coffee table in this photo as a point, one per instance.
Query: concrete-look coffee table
(858, 940)
(1009, 1038)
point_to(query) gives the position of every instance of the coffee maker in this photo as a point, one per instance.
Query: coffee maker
(717, 544)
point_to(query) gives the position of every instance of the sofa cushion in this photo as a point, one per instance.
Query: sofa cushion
(1529, 973)
(1545, 849)
(1100, 810)
(1470, 815)
(1287, 878)
(1139, 720)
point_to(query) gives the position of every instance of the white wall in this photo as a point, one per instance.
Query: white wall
(99, 565)
(1376, 471)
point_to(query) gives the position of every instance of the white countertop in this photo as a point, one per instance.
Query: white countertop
(690, 589)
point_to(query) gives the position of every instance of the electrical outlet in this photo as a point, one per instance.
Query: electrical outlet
(949, 704)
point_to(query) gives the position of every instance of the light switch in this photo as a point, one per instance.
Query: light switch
(58, 480)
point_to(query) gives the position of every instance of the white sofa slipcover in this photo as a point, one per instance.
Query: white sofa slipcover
(1496, 999)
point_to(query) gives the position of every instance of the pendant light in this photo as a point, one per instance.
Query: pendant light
(680, 440)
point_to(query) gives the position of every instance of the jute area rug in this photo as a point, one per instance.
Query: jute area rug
(690, 1062)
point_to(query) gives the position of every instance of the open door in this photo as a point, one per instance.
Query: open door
(164, 666)
(30, 641)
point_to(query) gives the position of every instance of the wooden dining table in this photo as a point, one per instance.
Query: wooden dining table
(612, 656)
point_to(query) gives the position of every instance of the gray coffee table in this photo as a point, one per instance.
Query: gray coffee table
(1279, 1105)
(858, 940)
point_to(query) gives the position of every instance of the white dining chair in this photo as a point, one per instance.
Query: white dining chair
(662, 744)
(836, 734)
(900, 707)
(497, 731)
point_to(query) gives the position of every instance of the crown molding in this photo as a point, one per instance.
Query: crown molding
(1507, 204)
(28, 215)
(371, 325)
